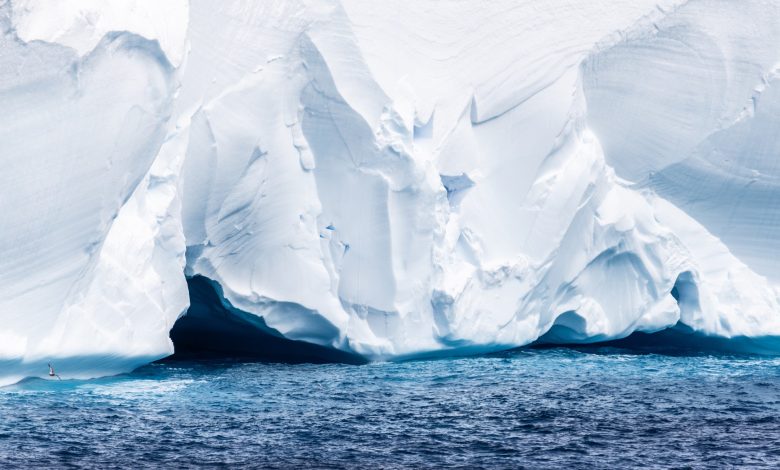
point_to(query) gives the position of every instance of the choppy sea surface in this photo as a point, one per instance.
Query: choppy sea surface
(535, 408)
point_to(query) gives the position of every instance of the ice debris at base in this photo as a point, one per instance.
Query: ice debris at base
(385, 178)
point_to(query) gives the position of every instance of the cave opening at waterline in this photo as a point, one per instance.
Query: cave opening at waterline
(212, 329)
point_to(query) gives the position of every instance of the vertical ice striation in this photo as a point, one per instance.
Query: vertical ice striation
(387, 179)
(83, 276)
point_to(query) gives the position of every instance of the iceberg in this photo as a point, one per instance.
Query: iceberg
(384, 180)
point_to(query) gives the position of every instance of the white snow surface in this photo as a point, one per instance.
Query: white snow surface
(389, 179)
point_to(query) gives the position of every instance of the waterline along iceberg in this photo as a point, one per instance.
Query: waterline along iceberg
(385, 179)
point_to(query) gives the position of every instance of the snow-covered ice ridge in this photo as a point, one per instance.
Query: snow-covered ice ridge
(387, 178)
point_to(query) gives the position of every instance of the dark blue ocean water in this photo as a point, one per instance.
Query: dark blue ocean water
(548, 408)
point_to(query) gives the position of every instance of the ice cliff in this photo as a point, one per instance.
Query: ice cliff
(385, 178)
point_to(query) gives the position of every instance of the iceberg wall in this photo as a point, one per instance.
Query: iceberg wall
(384, 179)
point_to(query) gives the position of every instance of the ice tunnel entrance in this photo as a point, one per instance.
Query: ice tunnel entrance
(211, 328)
(568, 328)
(686, 294)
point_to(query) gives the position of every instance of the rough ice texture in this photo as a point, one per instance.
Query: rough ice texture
(389, 179)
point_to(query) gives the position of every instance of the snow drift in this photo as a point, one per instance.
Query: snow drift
(385, 179)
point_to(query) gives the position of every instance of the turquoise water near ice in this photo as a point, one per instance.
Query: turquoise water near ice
(538, 408)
